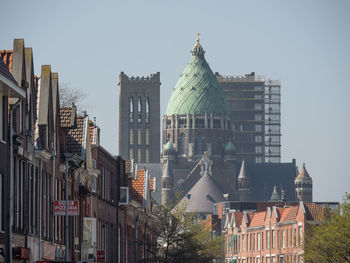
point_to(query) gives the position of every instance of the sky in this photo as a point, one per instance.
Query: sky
(305, 44)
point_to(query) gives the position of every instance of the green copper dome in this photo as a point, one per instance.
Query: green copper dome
(197, 91)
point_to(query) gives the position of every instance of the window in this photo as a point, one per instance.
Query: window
(243, 242)
(258, 128)
(139, 137)
(131, 110)
(182, 144)
(258, 117)
(147, 155)
(257, 149)
(283, 238)
(258, 159)
(131, 137)
(273, 239)
(268, 239)
(131, 154)
(257, 106)
(147, 110)
(258, 138)
(147, 136)
(287, 239)
(295, 238)
(262, 240)
(300, 235)
(139, 111)
(139, 155)
(259, 241)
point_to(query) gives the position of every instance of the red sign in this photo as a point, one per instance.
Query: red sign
(60, 208)
(101, 256)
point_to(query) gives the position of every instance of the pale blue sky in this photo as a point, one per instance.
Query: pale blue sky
(305, 44)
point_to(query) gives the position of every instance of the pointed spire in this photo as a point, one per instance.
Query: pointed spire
(169, 149)
(275, 195)
(303, 173)
(243, 173)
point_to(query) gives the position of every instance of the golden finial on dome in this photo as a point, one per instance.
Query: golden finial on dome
(198, 34)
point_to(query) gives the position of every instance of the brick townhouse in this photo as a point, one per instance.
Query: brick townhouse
(273, 235)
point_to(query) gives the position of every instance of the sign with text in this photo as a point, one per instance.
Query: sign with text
(101, 256)
(60, 208)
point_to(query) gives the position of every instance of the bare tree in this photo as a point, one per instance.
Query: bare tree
(70, 96)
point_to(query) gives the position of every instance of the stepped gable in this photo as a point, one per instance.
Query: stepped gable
(197, 91)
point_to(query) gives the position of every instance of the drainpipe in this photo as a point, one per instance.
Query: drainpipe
(66, 226)
(53, 188)
(40, 203)
(12, 108)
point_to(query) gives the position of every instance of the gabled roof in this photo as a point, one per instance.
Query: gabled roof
(138, 186)
(289, 213)
(203, 195)
(258, 219)
(314, 212)
(75, 136)
(68, 117)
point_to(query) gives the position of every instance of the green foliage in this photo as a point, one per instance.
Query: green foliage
(330, 240)
(182, 237)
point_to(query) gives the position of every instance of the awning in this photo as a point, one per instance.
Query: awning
(233, 261)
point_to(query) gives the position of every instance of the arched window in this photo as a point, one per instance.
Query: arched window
(182, 143)
(147, 110)
(139, 111)
(131, 110)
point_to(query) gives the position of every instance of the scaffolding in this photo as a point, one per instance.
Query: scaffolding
(272, 121)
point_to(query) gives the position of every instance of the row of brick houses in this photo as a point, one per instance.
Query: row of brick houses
(48, 152)
(272, 235)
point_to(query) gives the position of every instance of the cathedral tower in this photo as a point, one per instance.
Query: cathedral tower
(139, 118)
(303, 185)
(196, 118)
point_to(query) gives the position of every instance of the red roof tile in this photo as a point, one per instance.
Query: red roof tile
(6, 56)
(238, 218)
(137, 186)
(314, 212)
(289, 213)
(67, 116)
(258, 219)
(75, 137)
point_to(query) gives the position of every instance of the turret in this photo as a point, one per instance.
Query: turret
(275, 197)
(169, 152)
(303, 185)
(243, 184)
(167, 184)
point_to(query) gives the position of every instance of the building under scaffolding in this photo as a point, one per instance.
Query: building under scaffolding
(255, 109)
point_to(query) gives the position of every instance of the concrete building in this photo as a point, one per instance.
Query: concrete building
(139, 118)
(254, 106)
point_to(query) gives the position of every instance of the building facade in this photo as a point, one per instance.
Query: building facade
(273, 235)
(139, 118)
(254, 106)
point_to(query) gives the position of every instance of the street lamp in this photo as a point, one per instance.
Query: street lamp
(72, 161)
